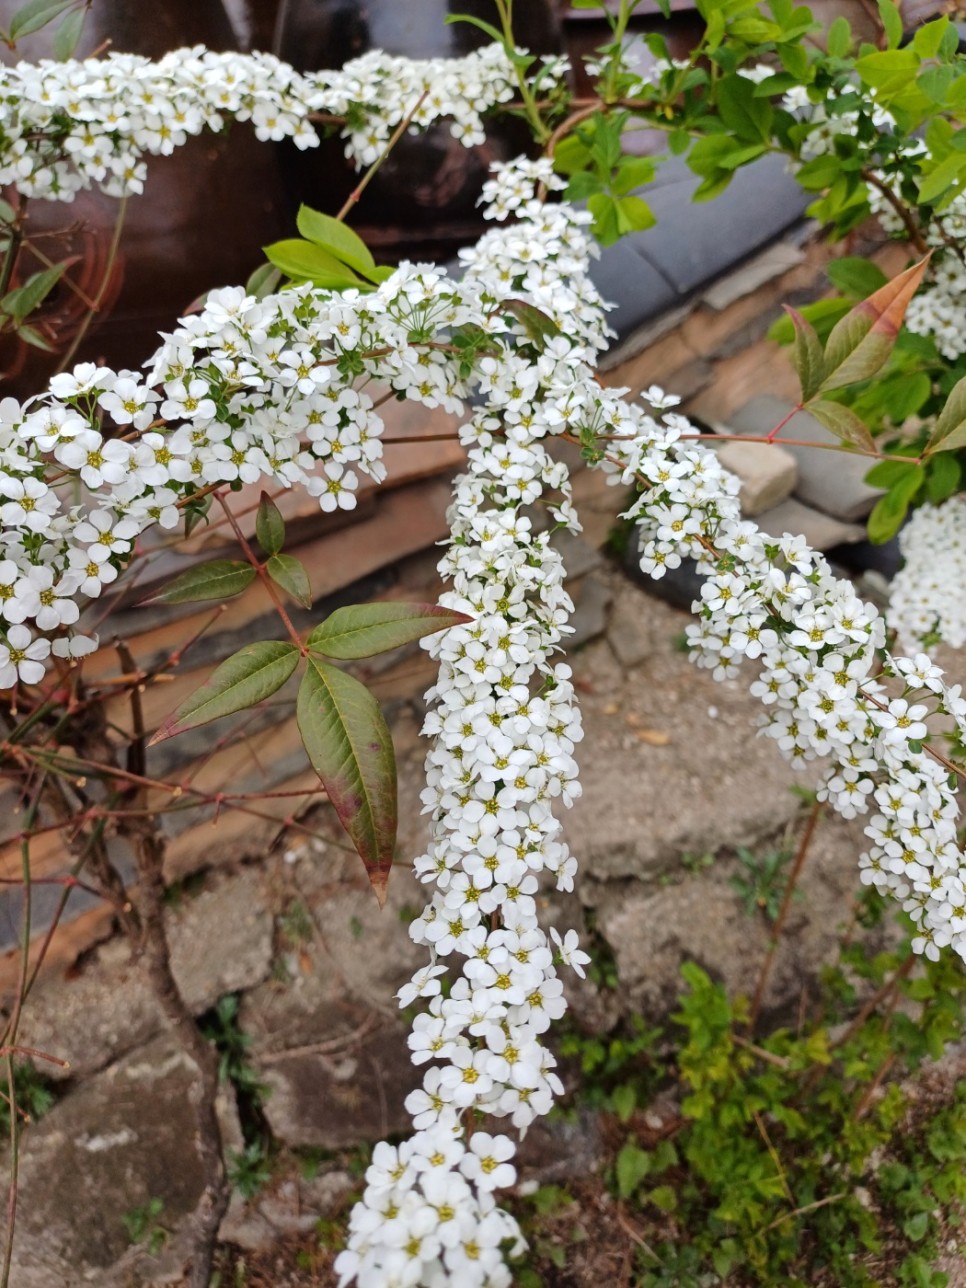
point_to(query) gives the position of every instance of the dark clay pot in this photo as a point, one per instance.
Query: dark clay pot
(205, 213)
(423, 199)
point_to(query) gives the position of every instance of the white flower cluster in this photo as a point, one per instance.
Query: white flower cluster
(65, 126)
(504, 724)
(927, 594)
(377, 91)
(245, 390)
(834, 117)
(816, 643)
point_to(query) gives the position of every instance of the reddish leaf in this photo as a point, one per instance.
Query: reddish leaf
(349, 745)
(860, 343)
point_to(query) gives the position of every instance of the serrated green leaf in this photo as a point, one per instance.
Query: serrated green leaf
(747, 117)
(305, 261)
(623, 1101)
(334, 236)
(634, 215)
(36, 14)
(68, 34)
(843, 423)
(248, 677)
(269, 525)
(633, 1164)
(349, 747)
(860, 343)
(218, 579)
(808, 358)
(22, 301)
(856, 276)
(265, 279)
(949, 432)
(632, 172)
(361, 630)
(664, 1198)
(286, 571)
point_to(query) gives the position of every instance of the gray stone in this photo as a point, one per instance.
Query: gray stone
(591, 601)
(120, 1140)
(776, 260)
(653, 929)
(767, 473)
(831, 481)
(671, 762)
(221, 942)
(559, 1149)
(334, 1099)
(579, 556)
(821, 531)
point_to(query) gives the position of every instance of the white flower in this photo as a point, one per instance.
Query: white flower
(22, 657)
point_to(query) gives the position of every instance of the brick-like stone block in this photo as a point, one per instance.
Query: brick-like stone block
(768, 474)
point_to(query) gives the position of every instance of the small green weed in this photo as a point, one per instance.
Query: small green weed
(761, 884)
(143, 1225)
(248, 1170)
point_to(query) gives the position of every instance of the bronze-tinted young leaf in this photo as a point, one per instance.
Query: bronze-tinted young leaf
(843, 423)
(265, 279)
(535, 322)
(287, 572)
(218, 579)
(950, 429)
(269, 525)
(248, 677)
(360, 630)
(808, 357)
(349, 746)
(861, 342)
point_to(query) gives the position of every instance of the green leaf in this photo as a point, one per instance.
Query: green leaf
(31, 17)
(305, 261)
(218, 579)
(623, 1100)
(265, 279)
(31, 336)
(839, 38)
(22, 301)
(633, 1164)
(248, 677)
(269, 525)
(928, 40)
(361, 630)
(664, 1198)
(333, 235)
(809, 359)
(68, 34)
(860, 343)
(949, 431)
(916, 1227)
(747, 117)
(890, 510)
(892, 22)
(349, 746)
(935, 82)
(488, 27)
(943, 477)
(632, 172)
(856, 276)
(286, 571)
(843, 423)
(949, 173)
(634, 215)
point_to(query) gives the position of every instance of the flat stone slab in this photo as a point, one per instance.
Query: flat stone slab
(221, 942)
(821, 531)
(767, 474)
(831, 481)
(120, 1140)
(671, 761)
